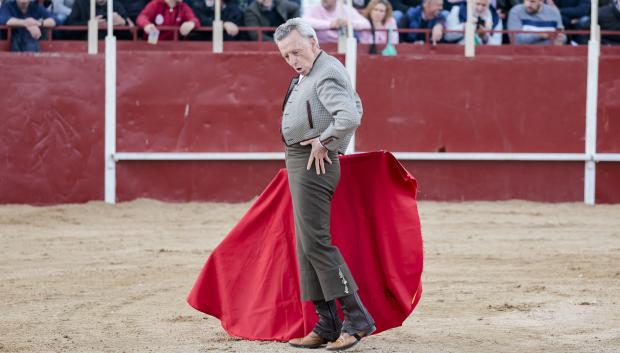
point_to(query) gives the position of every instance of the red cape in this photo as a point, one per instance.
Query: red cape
(251, 280)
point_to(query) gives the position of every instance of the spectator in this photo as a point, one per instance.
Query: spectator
(429, 15)
(400, 7)
(167, 13)
(60, 11)
(572, 11)
(331, 17)
(231, 15)
(504, 6)
(27, 17)
(609, 20)
(485, 17)
(534, 16)
(80, 14)
(269, 13)
(133, 8)
(379, 14)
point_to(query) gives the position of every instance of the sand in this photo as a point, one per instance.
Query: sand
(499, 277)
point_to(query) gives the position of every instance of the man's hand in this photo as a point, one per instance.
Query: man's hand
(30, 22)
(339, 22)
(436, 33)
(231, 29)
(149, 28)
(117, 20)
(186, 27)
(35, 31)
(318, 155)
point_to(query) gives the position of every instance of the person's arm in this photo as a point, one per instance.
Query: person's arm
(515, 24)
(582, 9)
(189, 15)
(45, 16)
(453, 24)
(357, 20)
(147, 15)
(61, 8)
(345, 109)
(251, 20)
(392, 24)
(312, 16)
(119, 8)
(496, 37)
(78, 17)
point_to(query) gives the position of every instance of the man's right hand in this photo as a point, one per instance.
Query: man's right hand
(231, 28)
(35, 31)
(339, 22)
(149, 28)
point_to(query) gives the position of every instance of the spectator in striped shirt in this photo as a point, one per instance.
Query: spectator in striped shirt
(543, 23)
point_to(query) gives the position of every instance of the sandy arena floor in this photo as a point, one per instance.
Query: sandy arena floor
(499, 277)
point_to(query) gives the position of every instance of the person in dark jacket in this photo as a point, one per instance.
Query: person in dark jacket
(231, 15)
(269, 13)
(572, 11)
(609, 20)
(429, 15)
(80, 14)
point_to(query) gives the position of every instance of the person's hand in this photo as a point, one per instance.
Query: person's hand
(149, 28)
(551, 3)
(436, 33)
(231, 29)
(318, 155)
(117, 20)
(544, 35)
(186, 27)
(337, 23)
(419, 42)
(100, 19)
(559, 39)
(35, 31)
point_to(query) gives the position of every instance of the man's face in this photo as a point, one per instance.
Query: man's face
(22, 4)
(299, 52)
(329, 4)
(265, 3)
(532, 6)
(481, 7)
(432, 8)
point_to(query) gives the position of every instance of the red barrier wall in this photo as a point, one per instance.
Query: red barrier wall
(51, 141)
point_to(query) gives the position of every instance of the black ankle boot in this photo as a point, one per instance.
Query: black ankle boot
(356, 317)
(329, 324)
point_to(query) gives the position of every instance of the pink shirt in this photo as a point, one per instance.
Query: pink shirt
(381, 37)
(319, 19)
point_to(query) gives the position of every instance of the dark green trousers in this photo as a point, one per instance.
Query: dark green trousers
(323, 273)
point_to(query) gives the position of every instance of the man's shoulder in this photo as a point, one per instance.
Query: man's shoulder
(550, 11)
(328, 66)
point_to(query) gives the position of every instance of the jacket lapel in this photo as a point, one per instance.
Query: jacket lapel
(290, 89)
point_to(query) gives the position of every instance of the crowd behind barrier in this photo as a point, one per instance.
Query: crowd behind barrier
(375, 22)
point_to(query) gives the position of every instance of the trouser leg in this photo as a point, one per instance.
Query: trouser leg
(356, 317)
(329, 324)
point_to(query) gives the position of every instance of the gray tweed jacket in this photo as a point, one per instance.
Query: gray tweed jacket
(324, 104)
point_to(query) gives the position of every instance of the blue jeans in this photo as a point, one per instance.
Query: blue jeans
(22, 41)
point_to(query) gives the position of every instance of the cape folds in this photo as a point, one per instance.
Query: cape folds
(251, 280)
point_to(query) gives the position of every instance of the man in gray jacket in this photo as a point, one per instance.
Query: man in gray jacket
(269, 13)
(320, 113)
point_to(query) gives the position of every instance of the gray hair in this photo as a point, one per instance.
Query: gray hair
(297, 24)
